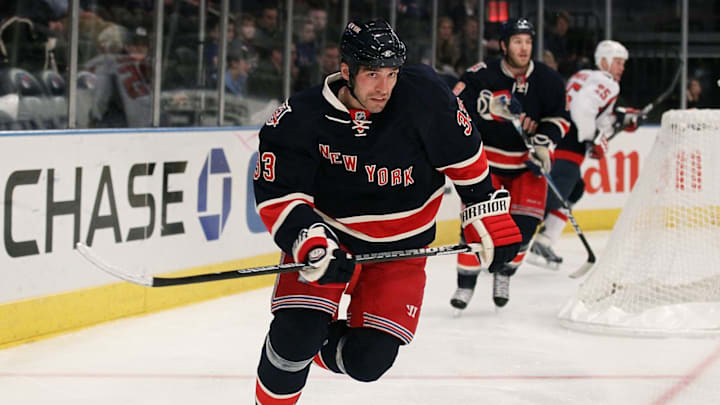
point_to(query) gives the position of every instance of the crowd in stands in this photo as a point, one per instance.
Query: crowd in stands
(115, 54)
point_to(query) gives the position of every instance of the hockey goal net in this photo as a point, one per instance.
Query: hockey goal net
(660, 272)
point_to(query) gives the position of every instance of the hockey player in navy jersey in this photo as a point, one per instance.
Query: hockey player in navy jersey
(358, 165)
(518, 84)
(591, 96)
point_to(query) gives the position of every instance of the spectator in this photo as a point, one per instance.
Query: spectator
(462, 11)
(245, 34)
(267, 25)
(237, 72)
(306, 44)
(695, 98)
(323, 33)
(327, 62)
(212, 49)
(468, 41)
(266, 80)
(556, 40)
(319, 19)
(448, 50)
(413, 19)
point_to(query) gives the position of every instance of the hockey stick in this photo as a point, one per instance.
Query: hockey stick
(151, 281)
(659, 99)
(591, 255)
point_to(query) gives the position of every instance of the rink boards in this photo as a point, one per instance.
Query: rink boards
(169, 201)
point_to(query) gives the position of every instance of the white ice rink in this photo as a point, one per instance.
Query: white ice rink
(207, 353)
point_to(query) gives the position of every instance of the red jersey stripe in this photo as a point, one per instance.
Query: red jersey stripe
(273, 212)
(390, 227)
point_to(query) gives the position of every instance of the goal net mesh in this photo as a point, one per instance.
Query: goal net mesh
(660, 271)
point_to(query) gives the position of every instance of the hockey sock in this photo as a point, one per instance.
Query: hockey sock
(509, 269)
(368, 353)
(294, 338)
(553, 227)
(327, 358)
(466, 280)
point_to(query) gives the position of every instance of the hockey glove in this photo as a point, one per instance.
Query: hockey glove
(489, 228)
(599, 147)
(499, 105)
(627, 118)
(317, 247)
(540, 161)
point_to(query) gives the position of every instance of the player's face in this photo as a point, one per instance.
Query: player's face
(617, 67)
(374, 86)
(137, 52)
(519, 50)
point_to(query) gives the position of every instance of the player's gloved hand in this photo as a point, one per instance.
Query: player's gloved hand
(540, 160)
(599, 147)
(317, 247)
(627, 118)
(489, 228)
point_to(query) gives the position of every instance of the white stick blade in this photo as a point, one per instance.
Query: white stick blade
(88, 254)
(582, 270)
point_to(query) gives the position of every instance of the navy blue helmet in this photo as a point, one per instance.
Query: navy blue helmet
(372, 44)
(514, 27)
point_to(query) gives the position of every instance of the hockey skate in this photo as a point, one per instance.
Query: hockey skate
(501, 289)
(544, 256)
(461, 298)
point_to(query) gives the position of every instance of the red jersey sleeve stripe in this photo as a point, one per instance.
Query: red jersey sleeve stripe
(560, 122)
(574, 157)
(274, 212)
(469, 171)
(506, 160)
(390, 227)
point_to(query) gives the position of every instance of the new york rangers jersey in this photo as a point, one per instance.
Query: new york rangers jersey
(542, 96)
(376, 179)
(591, 96)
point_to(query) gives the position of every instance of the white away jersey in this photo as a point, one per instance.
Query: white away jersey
(591, 96)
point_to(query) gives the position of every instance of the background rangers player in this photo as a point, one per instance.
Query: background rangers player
(359, 165)
(513, 80)
(591, 97)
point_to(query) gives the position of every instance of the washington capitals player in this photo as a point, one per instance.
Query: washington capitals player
(358, 165)
(537, 91)
(591, 96)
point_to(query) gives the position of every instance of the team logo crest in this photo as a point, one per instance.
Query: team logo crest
(521, 85)
(274, 119)
(360, 120)
(360, 115)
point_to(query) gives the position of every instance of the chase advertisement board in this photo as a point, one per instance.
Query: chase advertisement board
(153, 202)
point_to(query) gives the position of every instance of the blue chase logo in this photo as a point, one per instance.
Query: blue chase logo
(215, 165)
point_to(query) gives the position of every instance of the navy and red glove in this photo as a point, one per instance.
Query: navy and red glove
(491, 231)
(318, 247)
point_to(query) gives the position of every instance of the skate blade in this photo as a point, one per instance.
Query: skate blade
(457, 313)
(541, 262)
